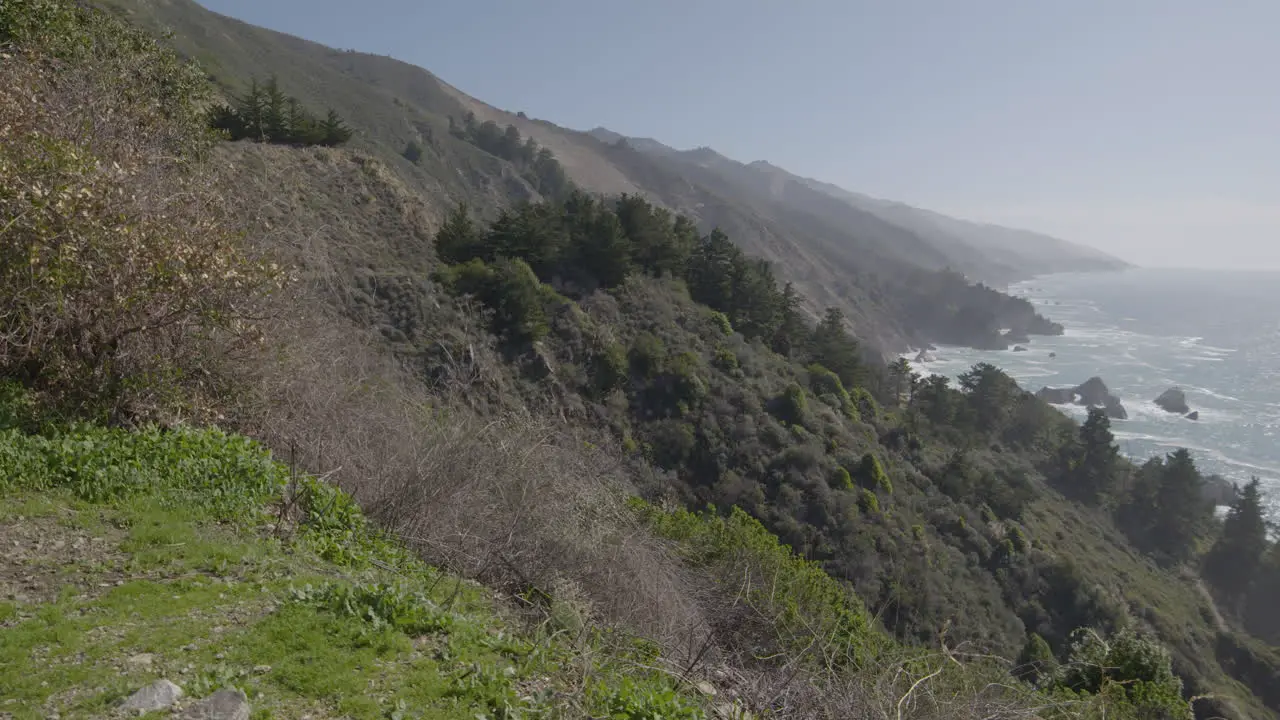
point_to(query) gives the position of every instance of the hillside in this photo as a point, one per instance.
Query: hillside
(837, 255)
(681, 495)
(986, 252)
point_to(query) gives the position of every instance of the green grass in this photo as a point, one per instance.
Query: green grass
(142, 573)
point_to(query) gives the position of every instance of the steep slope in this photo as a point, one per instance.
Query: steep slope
(1029, 252)
(672, 365)
(837, 255)
(986, 252)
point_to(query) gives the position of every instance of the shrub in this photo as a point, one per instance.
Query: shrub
(721, 321)
(792, 405)
(841, 479)
(119, 259)
(725, 360)
(868, 501)
(871, 474)
(798, 600)
(1131, 671)
(511, 292)
(647, 355)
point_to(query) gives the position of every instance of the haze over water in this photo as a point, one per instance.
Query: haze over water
(1215, 334)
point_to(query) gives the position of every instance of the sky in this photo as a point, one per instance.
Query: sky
(1147, 128)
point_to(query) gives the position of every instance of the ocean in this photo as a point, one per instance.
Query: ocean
(1215, 334)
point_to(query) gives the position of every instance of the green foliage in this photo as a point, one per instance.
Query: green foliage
(722, 322)
(535, 164)
(1233, 562)
(1036, 663)
(1090, 466)
(647, 356)
(630, 701)
(841, 479)
(412, 152)
(726, 360)
(1165, 511)
(871, 474)
(800, 600)
(117, 257)
(1132, 671)
(510, 290)
(792, 405)
(379, 606)
(227, 475)
(868, 501)
(266, 114)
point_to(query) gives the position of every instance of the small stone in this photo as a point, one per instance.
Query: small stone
(142, 659)
(156, 696)
(706, 688)
(226, 704)
(220, 656)
(261, 669)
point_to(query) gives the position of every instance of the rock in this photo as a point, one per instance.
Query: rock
(1093, 392)
(1115, 410)
(226, 704)
(1053, 354)
(156, 696)
(1019, 348)
(1057, 396)
(142, 659)
(924, 357)
(1173, 400)
(706, 688)
(1193, 415)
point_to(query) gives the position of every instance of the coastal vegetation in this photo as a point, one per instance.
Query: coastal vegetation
(568, 456)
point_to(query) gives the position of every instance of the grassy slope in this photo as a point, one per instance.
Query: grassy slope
(131, 557)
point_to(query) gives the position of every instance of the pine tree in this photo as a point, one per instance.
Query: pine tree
(1092, 471)
(458, 239)
(835, 349)
(333, 131)
(1181, 509)
(1235, 558)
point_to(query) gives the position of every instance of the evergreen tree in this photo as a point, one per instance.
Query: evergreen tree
(792, 329)
(333, 130)
(458, 239)
(412, 152)
(1260, 616)
(1092, 463)
(1181, 510)
(1235, 558)
(990, 392)
(834, 348)
(900, 376)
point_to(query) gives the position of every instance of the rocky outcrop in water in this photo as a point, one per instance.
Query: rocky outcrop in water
(1019, 348)
(924, 357)
(1193, 415)
(1173, 400)
(1091, 393)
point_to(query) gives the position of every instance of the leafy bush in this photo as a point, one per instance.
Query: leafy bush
(118, 258)
(223, 475)
(510, 290)
(800, 601)
(1128, 669)
(629, 700)
(380, 606)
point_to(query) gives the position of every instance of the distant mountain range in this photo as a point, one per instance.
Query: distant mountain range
(987, 252)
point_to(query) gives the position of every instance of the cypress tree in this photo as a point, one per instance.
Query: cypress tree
(1233, 563)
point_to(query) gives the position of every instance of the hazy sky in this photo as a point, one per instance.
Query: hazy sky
(1149, 128)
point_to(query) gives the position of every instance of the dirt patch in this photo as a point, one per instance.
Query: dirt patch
(40, 557)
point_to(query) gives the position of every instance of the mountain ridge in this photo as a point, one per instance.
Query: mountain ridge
(960, 238)
(896, 289)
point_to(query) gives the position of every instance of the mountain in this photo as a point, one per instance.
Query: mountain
(985, 252)
(897, 287)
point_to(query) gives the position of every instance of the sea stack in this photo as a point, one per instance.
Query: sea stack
(1173, 400)
(1091, 393)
